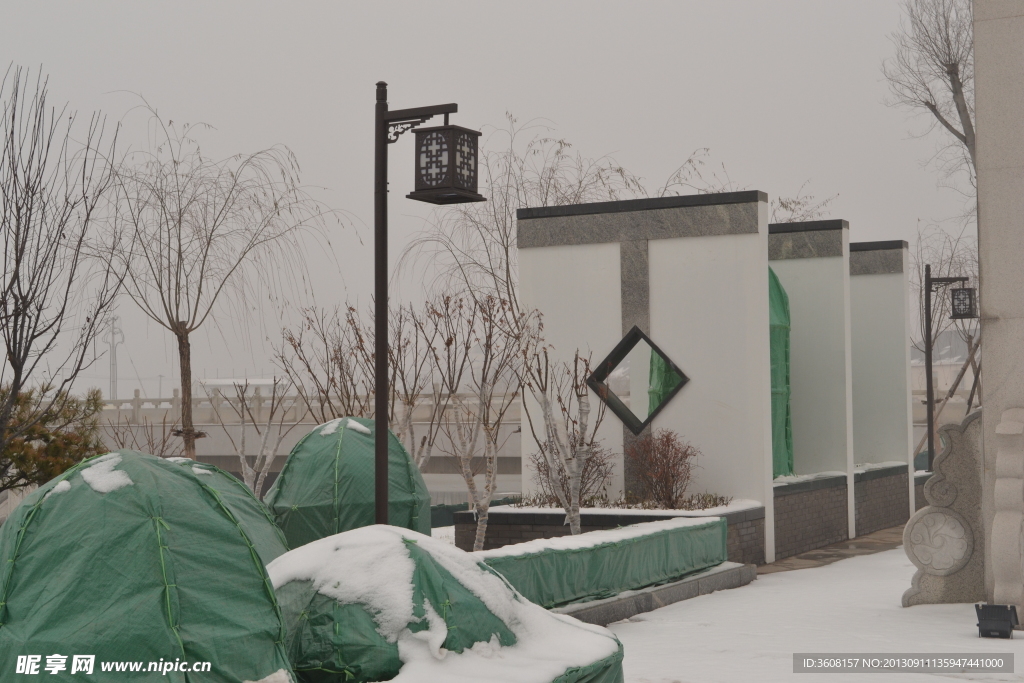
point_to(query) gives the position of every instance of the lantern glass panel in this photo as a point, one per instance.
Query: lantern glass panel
(963, 303)
(433, 159)
(465, 160)
(637, 380)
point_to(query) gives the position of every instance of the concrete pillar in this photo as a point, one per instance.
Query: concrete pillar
(999, 105)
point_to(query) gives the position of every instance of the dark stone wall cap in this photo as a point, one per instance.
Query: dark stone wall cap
(880, 473)
(809, 485)
(878, 246)
(626, 205)
(805, 226)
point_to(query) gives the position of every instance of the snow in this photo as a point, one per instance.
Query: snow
(372, 566)
(178, 459)
(356, 427)
(867, 467)
(356, 567)
(734, 506)
(797, 478)
(751, 633)
(279, 676)
(61, 487)
(445, 534)
(102, 477)
(199, 470)
(329, 428)
(593, 538)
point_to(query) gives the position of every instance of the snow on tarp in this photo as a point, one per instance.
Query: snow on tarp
(326, 485)
(170, 567)
(599, 564)
(102, 476)
(384, 603)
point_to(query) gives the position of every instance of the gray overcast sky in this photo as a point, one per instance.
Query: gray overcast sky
(781, 91)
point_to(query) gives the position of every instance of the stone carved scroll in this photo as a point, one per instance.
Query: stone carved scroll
(1008, 502)
(945, 539)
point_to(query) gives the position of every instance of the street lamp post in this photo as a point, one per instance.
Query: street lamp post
(446, 161)
(929, 283)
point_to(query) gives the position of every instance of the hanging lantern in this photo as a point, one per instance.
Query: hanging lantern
(964, 303)
(446, 165)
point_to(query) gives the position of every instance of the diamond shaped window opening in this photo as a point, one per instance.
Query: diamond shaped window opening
(636, 380)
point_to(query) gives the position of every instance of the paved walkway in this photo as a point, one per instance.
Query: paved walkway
(875, 542)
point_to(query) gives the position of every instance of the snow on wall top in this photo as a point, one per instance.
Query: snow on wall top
(594, 538)
(734, 506)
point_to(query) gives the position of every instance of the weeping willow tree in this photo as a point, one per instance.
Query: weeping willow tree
(195, 230)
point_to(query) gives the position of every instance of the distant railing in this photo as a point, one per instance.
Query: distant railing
(137, 409)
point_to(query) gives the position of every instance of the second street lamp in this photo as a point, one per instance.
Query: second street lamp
(446, 173)
(958, 306)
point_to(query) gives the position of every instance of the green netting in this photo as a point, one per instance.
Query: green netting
(327, 484)
(170, 565)
(782, 422)
(335, 640)
(554, 577)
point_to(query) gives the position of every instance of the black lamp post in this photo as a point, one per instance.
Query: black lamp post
(446, 173)
(962, 306)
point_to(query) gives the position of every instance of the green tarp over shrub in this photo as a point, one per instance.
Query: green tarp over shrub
(327, 484)
(382, 603)
(600, 564)
(133, 558)
(782, 423)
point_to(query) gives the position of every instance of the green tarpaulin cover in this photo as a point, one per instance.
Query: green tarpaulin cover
(327, 484)
(782, 423)
(382, 603)
(600, 564)
(662, 380)
(133, 558)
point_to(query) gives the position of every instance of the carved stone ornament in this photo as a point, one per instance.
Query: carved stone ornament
(941, 542)
(945, 539)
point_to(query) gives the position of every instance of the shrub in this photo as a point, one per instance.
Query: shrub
(597, 470)
(663, 464)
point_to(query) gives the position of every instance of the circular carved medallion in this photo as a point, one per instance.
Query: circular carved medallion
(939, 542)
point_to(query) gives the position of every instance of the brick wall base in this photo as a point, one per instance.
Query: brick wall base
(882, 499)
(809, 515)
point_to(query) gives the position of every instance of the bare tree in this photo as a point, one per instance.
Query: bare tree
(474, 245)
(58, 286)
(197, 229)
(145, 436)
(329, 360)
(270, 421)
(933, 72)
(802, 206)
(566, 435)
(474, 362)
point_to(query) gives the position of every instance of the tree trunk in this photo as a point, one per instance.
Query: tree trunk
(482, 509)
(188, 432)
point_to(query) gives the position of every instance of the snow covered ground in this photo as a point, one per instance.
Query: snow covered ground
(444, 533)
(749, 634)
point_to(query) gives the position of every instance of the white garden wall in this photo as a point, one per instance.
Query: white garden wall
(811, 260)
(880, 338)
(691, 272)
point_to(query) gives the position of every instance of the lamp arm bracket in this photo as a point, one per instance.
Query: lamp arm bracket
(396, 128)
(401, 120)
